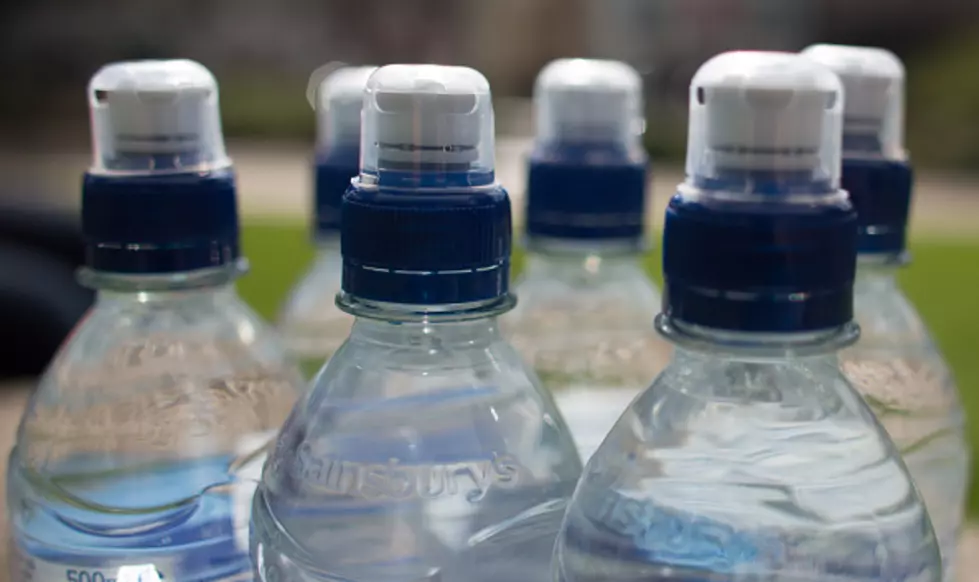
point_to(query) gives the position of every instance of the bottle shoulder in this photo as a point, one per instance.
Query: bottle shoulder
(369, 368)
(311, 324)
(422, 404)
(888, 318)
(312, 298)
(221, 333)
(429, 436)
(625, 290)
(896, 365)
(729, 410)
(789, 390)
(595, 334)
(561, 306)
(194, 378)
(752, 457)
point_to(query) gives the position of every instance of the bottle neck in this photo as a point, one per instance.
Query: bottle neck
(401, 313)
(573, 261)
(328, 255)
(218, 295)
(877, 273)
(177, 282)
(328, 246)
(427, 334)
(735, 344)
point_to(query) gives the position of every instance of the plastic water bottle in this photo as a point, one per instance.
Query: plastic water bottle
(311, 325)
(896, 365)
(586, 307)
(751, 457)
(138, 453)
(425, 449)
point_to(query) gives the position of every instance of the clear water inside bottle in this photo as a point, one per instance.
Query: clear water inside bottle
(741, 469)
(137, 456)
(899, 371)
(424, 452)
(585, 324)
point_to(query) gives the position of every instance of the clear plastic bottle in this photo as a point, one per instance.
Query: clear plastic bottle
(425, 450)
(311, 325)
(896, 365)
(138, 453)
(584, 319)
(751, 457)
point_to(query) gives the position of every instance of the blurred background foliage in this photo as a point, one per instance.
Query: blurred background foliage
(943, 128)
(263, 52)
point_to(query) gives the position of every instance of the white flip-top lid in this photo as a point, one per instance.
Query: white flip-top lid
(338, 99)
(146, 111)
(417, 116)
(583, 101)
(873, 85)
(764, 111)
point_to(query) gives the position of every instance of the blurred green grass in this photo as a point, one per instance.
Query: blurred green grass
(942, 282)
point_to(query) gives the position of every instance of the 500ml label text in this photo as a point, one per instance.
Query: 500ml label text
(121, 575)
(86, 576)
(394, 480)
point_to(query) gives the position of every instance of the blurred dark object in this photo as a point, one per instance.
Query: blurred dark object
(40, 300)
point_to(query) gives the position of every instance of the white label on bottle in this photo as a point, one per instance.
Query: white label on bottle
(33, 569)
